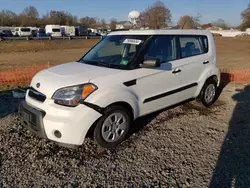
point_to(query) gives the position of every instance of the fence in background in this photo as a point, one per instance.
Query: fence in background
(24, 75)
(19, 76)
(51, 38)
(228, 33)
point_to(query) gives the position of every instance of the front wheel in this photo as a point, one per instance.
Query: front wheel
(208, 93)
(113, 127)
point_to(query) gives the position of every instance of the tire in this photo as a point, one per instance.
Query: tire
(209, 93)
(108, 132)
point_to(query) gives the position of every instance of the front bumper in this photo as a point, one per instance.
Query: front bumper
(32, 119)
(47, 120)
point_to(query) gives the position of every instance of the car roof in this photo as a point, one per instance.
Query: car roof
(162, 32)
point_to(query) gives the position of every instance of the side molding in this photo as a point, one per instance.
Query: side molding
(169, 93)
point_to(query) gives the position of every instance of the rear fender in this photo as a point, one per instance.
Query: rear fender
(208, 73)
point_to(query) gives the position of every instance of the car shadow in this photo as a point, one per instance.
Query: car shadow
(233, 165)
(10, 101)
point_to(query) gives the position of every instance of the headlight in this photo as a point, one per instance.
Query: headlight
(71, 96)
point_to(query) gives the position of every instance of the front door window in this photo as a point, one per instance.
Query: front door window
(163, 48)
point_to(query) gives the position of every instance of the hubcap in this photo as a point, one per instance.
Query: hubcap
(210, 93)
(113, 127)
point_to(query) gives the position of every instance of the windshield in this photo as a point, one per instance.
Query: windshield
(115, 51)
(25, 29)
(56, 30)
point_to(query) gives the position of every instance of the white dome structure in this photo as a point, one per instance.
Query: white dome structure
(133, 16)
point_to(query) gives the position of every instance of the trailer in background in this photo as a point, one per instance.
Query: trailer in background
(68, 30)
(53, 30)
(81, 30)
(22, 32)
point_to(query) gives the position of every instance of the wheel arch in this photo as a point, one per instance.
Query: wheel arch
(212, 77)
(124, 104)
(211, 73)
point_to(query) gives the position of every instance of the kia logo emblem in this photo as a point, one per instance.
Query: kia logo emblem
(38, 85)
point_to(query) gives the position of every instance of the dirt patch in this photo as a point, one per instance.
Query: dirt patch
(231, 52)
(17, 54)
(11, 46)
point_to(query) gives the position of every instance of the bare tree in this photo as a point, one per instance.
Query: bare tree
(245, 15)
(103, 24)
(197, 20)
(88, 21)
(156, 16)
(221, 23)
(30, 12)
(112, 23)
(30, 17)
(187, 22)
(8, 18)
(143, 19)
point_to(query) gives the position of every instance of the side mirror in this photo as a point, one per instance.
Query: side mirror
(151, 63)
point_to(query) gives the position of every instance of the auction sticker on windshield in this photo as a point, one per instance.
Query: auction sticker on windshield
(132, 41)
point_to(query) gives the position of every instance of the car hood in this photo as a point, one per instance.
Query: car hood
(68, 74)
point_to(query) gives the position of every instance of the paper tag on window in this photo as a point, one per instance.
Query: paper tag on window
(132, 41)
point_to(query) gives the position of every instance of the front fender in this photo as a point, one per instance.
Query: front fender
(104, 98)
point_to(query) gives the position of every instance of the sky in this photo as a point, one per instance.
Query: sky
(210, 10)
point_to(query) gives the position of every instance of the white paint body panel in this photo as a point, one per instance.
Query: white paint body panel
(74, 122)
(49, 30)
(68, 30)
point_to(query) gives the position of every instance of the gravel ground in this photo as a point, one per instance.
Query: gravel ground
(185, 146)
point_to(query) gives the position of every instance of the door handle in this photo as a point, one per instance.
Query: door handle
(176, 71)
(205, 62)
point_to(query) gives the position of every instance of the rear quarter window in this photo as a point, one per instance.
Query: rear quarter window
(204, 41)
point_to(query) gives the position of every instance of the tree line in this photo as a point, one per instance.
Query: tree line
(30, 17)
(155, 16)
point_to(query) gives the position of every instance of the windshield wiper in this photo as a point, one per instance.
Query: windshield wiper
(99, 63)
(103, 64)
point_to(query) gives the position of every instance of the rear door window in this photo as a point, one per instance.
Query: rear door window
(193, 45)
(204, 41)
(190, 46)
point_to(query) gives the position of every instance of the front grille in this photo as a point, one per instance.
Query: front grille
(36, 95)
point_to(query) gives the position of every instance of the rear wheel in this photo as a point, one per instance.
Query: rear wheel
(208, 93)
(113, 127)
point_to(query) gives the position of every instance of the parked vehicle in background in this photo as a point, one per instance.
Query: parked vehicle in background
(68, 30)
(93, 32)
(41, 33)
(22, 32)
(127, 75)
(81, 30)
(53, 30)
(243, 35)
(33, 31)
(6, 33)
(103, 32)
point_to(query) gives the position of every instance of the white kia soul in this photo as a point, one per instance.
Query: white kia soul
(126, 75)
